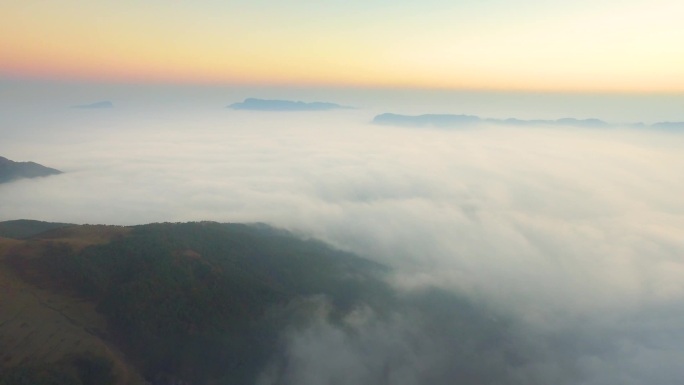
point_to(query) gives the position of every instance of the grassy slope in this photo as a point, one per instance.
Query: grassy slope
(186, 301)
(174, 295)
(43, 325)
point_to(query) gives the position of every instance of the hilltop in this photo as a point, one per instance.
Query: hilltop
(11, 170)
(24, 228)
(456, 121)
(210, 303)
(154, 301)
(283, 105)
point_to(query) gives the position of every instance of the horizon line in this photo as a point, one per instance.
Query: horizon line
(14, 78)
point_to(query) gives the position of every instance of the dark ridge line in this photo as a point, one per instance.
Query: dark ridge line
(461, 120)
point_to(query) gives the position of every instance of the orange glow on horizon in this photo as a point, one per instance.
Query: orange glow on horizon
(597, 51)
(156, 73)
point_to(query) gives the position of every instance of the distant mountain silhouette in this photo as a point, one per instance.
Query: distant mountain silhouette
(436, 120)
(283, 105)
(669, 125)
(451, 120)
(10, 170)
(559, 122)
(96, 105)
(581, 122)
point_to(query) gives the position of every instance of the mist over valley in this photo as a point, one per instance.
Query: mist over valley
(502, 254)
(341, 192)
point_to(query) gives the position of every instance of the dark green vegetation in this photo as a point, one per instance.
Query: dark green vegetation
(46, 332)
(211, 303)
(84, 369)
(198, 301)
(24, 228)
(10, 170)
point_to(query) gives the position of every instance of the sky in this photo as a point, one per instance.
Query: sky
(550, 45)
(574, 233)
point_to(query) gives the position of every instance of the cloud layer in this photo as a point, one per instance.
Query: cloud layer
(574, 233)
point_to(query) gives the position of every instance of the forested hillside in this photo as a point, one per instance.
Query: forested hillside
(195, 302)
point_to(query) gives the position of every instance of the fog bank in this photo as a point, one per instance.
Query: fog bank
(574, 233)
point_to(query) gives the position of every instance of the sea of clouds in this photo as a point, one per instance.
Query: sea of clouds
(575, 234)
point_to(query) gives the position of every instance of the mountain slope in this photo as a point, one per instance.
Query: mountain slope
(173, 295)
(47, 334)
(24, 228)
(10, 170)
(283, 105)
(211, 303)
